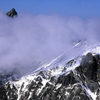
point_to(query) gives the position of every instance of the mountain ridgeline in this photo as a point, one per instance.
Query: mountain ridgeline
(78, 79)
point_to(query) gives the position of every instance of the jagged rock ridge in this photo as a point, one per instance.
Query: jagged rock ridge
(79, 79)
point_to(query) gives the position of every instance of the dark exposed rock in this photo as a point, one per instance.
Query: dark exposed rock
(69, 85)
(12, 13)
(8, 92)
(3, 95)
(88, 67)
(67, 79)
(88, 71)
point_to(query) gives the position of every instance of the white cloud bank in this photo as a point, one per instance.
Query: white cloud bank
(27, 39)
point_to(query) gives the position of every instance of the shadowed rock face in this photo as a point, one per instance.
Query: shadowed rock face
(79, 83)
(89, 67)
(12, 13)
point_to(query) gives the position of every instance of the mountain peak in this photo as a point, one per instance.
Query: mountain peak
(12, 13)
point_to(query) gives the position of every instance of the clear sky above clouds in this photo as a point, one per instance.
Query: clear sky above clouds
(81, 8)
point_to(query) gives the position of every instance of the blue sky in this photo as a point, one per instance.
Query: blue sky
(81, 8)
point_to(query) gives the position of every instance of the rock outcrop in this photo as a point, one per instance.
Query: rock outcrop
(12, 13)
(79, 79)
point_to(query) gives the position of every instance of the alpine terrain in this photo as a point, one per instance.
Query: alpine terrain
(77, 78)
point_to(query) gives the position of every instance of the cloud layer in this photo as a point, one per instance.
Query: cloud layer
(27, 40)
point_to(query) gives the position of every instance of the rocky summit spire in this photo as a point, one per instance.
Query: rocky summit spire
(12, 13)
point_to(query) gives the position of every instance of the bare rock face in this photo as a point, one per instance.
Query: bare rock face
(12, 13)
(79, 79)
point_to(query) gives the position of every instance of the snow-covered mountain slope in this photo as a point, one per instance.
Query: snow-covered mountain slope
(77, 79)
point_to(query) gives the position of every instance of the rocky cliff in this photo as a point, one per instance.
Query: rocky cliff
(78, 79)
